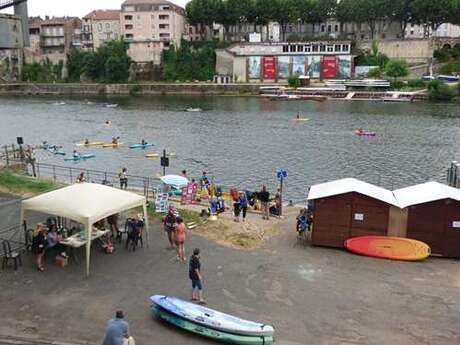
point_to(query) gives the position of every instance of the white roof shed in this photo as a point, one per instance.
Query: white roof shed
(348, 185)
(425, 192)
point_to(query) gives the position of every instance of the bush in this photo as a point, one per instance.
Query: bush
(45, 72)
(396, 69)
(397, 84)
(447, 68)
(134, 89)
(294, 81)
(440, 91)
(375, 73)
(442, 55)
(416, 83)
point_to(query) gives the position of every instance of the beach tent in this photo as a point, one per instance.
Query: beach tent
(86, 203)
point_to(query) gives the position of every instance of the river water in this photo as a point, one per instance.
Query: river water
(242, 141)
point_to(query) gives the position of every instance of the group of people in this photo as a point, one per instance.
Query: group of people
(46, 238)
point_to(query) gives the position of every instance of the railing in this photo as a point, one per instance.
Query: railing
(69, 175)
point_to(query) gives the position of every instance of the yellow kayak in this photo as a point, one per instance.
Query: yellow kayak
(302, 119)
(111, 145)
(157, 155)
(91, 143)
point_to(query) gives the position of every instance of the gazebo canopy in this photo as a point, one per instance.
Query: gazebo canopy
(85, 203)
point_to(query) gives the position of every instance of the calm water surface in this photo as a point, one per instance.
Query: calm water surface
(242, 141)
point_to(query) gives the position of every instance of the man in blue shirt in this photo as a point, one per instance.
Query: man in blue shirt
(117, 330)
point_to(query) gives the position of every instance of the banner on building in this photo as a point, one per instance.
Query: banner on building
(328, 67)
(283, 67)
(254, 67)
(298, 65)
(188, 195)
(269, 68)
(344, 67)
(313, 66)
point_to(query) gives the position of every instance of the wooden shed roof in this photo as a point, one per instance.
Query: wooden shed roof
(349, 185)
(425, 192)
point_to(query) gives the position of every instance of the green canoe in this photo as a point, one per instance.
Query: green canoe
(211, 333)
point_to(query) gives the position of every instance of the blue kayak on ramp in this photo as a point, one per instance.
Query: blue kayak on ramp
(211, 318)
(140, 146)
(80, 157)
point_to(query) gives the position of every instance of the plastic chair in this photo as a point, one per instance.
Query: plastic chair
(8, 255)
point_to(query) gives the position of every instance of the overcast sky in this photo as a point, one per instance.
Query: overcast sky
(75, 7)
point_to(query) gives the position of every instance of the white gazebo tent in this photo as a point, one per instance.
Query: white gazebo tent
(86, 203)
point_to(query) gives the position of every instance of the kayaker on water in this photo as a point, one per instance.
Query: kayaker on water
(87, 141)
(298, 115)
(143, 142)
(76, 154)
(115, 140)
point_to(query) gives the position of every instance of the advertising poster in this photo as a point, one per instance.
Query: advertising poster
(314, 63)
(328, 66)
(344, 68)
(269, 68)
(283, 67)
(161, 202)
(298, 65)
(188, 195)
(254, 67)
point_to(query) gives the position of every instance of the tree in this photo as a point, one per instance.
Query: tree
(286, 12)
(402, 13)
(396, 69)
(431, 14)
(264, 11)
(321, 10)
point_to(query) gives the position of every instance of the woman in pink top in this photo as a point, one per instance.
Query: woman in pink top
(179, 237)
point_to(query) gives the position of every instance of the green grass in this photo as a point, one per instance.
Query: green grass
(19, 184)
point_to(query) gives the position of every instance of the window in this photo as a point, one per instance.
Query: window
(128, 26)
(307, 48)
(190, 30)
(129, 36)
(166, 44)
(338, 48)
(300, 48)
(323, 28)
(164, 26)
(164, 8)
(107, 26)
(336, 28)
(163, 17)
(315, 48)
(411, 31)
(329, 28)
(330, 48)
(128, 17)
(345, 47)
(322, 48)
(292, 49)
(285, 49)
(164, 35)
(99, 27)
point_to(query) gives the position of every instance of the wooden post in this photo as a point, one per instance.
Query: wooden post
(281, 196)
(6, 155)
(54, 173)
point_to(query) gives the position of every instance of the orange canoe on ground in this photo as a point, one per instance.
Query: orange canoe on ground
(395, 248)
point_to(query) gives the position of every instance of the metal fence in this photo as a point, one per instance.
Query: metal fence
(69, 175)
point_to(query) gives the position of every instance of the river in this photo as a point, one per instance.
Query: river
(242, 141)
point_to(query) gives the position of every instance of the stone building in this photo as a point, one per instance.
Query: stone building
(11, 47)
(99, 27)
(151, 26)
(52, 39)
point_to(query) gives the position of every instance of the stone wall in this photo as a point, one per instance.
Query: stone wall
(411, 50)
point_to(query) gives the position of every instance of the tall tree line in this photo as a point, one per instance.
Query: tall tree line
(428, 13)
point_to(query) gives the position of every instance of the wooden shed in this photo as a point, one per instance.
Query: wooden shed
(348, 208)
(433, 216)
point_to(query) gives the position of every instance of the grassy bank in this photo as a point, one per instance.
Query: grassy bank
(12, 182)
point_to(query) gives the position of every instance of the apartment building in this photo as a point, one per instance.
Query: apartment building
(151, 26)
(99, 27)
(53, 38)
(444, 30)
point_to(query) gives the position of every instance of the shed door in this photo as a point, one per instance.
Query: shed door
(426, 223)
(369, 217)
(452, 230)
(331, 221)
